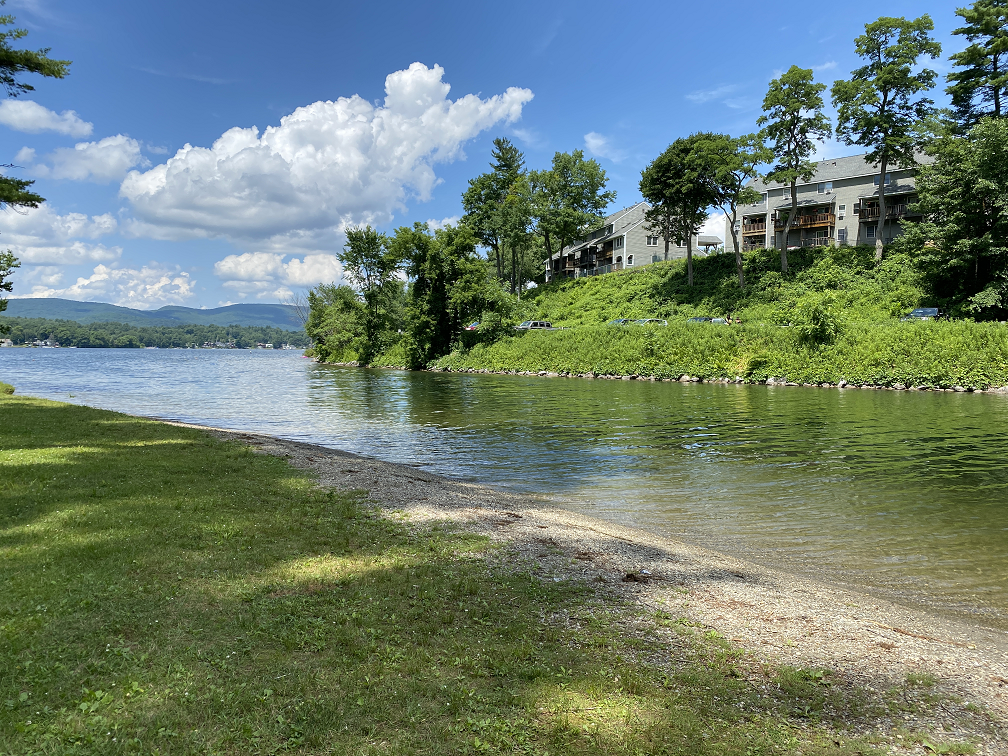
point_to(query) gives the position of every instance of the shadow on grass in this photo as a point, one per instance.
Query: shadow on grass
(165, 592)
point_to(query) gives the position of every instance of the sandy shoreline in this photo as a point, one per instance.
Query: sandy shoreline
(773, 615)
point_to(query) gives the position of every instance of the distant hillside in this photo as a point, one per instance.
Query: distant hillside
(273, 315)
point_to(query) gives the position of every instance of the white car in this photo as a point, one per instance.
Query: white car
(528, 325)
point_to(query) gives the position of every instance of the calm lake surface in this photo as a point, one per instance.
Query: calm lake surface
(902, 492)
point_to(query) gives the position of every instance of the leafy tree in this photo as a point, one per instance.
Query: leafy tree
(7, 265)
(962, 244)
(678, 186)
(878, 107)
(13, 62)
(568, 200)
(793, 121)
(980, 84)
(734, 163)
(372, 266)
(483, 201)
(335, 322)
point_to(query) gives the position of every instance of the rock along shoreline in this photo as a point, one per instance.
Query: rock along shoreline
(772, 381)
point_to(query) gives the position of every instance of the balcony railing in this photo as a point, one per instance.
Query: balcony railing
(750, 246)
(754, 228)
(871, 212)
(817, 241)
(807, 221)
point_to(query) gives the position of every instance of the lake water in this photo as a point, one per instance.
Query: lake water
(902, 492)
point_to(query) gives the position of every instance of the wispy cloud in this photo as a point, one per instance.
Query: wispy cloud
(190, 77)
(546, 37)
(827, 66)
(600, 146)
(706, 95)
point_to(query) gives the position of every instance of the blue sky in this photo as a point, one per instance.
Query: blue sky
(254, 208)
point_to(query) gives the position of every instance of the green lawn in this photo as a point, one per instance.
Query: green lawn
(165, 592)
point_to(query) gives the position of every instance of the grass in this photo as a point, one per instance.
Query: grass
(834, 316)
(934, 355)
(854, 284)
(165, 592)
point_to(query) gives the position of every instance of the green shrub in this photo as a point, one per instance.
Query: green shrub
(6, 388)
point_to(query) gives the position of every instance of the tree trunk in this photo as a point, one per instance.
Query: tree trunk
(689, 258)
(787, 227)
(666, 249)
(881, 211)
(997, 89)
(738, 252)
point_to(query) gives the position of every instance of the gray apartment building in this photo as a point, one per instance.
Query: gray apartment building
(838, 206)
(623, 241)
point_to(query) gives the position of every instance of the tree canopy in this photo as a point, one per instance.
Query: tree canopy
(962, 244)
(734, 162)
(678, 185)
(793, 121)
(979, 83)
(881, 107)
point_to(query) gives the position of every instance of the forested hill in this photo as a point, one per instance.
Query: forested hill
(262, 315)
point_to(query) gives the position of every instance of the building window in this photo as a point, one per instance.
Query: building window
(629, 259)
(765, 195)
(841, 234)
(870, 231)
(652, 241)
(825, 187)
(619, 260)
(888, 179)
(619, 242)
(841, 212)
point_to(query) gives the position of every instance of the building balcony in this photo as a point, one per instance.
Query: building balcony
(809, 220)
(817, 241)
(749, 246)
(754, 228)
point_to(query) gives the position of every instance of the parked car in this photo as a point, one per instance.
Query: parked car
(652, 321)
(529, 325)
(472, 327)
(620, 321)
(699, 320)
(719, 321)
(923, 313)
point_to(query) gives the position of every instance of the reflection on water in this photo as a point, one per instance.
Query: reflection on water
(901, 490)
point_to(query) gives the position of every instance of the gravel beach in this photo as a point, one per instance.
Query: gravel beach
(774, 616)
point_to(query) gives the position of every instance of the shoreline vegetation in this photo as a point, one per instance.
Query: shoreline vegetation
(832, 321)
(301, 598)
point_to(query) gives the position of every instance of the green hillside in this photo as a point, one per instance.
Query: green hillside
(835, 316)
(845, 280)
(261, 315)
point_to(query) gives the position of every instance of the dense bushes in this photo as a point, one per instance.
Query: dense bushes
(859, 288)
(933, 354)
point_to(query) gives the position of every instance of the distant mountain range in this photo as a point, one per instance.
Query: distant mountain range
(276, 315)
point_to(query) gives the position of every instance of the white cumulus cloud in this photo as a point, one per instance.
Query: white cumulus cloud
(293, 187)
(265, 274)
(30, 117)
(103, 161)
(43, 237)
(148, 287)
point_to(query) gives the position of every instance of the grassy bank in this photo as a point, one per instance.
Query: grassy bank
(833, 317)
(164, 592)
(934, 355)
